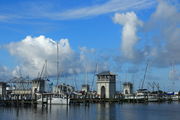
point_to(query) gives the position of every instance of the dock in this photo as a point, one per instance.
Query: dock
(73, 101)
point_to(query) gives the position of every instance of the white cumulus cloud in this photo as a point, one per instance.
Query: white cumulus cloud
(164, 23)
(130, 22)
(33, 51)
(161, 35)
(5, 73)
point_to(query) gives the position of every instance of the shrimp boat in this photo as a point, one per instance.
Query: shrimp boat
(61, 92)
(141, 95)
(60, 95)
(56, 99)
(176, 96)
(153, 98)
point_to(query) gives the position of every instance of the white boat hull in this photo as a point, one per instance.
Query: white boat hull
(175, 98)
(59, 101)
(55, 101)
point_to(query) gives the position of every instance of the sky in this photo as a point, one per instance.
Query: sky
(122, 36)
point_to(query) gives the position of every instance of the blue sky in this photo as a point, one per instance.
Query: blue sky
(119, 35)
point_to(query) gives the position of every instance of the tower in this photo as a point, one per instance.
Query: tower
(127, 88)
(2, 88)
(38, 85)
(106, 84)
(85, 88)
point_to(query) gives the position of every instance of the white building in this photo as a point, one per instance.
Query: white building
(85, 88)
(2, 88)
(127, 88)
(106, 84)
(39, 86)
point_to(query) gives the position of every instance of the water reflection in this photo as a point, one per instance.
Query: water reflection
(93, 112)
(106, 111)
(131, 111)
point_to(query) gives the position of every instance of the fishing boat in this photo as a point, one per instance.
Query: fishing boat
(59, 95)
(141, 94)
(55, 99)
(152, 98)
(176, 96)
(61, 92)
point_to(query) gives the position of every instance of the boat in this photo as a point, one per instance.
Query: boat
(176, 96)
(61, 92)
(56, 99)
(152, 98)
(59, 101)
(129, 97)
(141, 94)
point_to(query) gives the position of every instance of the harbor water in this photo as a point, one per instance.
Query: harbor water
(107, 111)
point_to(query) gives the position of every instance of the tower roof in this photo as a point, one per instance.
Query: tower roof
(106, 73)
(127, 83)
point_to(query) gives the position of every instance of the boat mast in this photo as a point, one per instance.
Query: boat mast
(86, 79)
(144, 75)
(57, 64)
(173, 75)
(95, 72)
